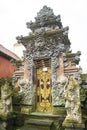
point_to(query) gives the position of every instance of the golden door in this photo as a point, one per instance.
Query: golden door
(44, 91)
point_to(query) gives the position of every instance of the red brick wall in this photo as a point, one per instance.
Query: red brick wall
(6, 68)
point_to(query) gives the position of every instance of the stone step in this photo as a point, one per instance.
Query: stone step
(39, 124)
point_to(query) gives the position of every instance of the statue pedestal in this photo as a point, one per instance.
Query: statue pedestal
(6, 122)
(73, 125)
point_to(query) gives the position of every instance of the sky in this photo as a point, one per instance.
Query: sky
(14, 14)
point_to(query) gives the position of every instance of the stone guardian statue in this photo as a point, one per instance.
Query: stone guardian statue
(72, 100)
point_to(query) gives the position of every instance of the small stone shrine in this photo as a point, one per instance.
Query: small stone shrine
(50, 84)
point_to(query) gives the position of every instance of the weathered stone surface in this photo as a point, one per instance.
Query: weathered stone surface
(6, 100)
(45, 17)
(73, 126)
(39, 122)
(73, 105)
(25, 91)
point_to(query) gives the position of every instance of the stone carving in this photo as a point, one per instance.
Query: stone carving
(6, 100)
(46, 11)
(44, 18)
(25, 91)
(44, 47)
(48, 47)
(39, 41)
(72, 98)
(59, 91)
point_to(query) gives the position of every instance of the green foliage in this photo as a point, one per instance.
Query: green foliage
(6, 81)
(17, 63)
(84, 77)
(58, 125)
(17, 98)
(83, 97)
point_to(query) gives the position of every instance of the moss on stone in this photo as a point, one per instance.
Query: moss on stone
(59, 111)
(84, 77)
(70, 121)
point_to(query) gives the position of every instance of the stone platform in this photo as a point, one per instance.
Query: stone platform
(42, 121)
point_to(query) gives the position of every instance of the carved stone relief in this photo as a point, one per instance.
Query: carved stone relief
(72, 97)
(26, 91)
(6, 100)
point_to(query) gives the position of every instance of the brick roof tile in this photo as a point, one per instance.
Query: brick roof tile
(8, 52)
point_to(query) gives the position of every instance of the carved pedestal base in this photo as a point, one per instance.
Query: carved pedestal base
(71, 125)
(6, 122)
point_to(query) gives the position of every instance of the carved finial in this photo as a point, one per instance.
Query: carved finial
(45, 11)
(19, 39)
(44, 18)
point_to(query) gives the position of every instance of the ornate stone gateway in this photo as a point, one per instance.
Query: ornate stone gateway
(48, 61)
(49, 64)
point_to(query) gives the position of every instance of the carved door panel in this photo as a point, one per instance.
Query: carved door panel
(44, 91)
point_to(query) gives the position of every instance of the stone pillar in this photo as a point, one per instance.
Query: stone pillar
(26, 72)
(26, 87)
(57, 87)
(60, 70)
